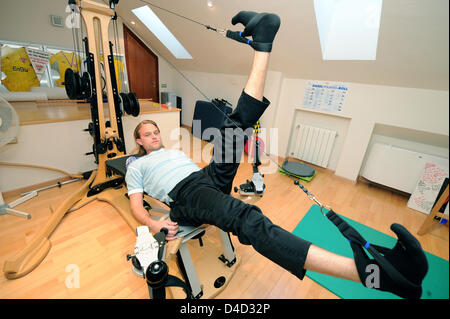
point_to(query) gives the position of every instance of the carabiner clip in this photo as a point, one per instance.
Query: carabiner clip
(223, 32)
(322, 207)
(220, 31)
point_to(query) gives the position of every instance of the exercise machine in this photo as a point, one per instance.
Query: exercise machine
(105, 183)
(255, 186)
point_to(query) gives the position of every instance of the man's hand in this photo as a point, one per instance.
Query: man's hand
(142, 216)
(171, 226)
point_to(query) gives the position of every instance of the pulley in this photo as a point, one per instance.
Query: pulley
(130, 103)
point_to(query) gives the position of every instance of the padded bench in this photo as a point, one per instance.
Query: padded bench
(217, 264)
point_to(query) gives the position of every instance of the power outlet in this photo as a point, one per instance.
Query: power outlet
(57, 21)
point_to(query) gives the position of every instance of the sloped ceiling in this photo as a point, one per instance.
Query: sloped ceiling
(413, 46)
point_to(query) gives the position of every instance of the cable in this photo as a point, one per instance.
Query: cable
(179, 15)
(190, 82)
(75, 35)
(176, 69)
(118, 50)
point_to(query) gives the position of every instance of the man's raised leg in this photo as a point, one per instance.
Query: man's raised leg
(257, 78)
(228, 150)
(318, 259)
(262, 28)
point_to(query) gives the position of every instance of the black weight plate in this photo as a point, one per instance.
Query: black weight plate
(91, 129)
(70, 84)
(135, 107)
(85, 86)
(78, 85)
(125, 102)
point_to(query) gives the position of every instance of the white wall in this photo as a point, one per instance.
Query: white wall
(59, 145)
(16, 15)
(416, 119)
(417, 115)
(213, 85)
(62, 145)
(228, 87)
(223, 86)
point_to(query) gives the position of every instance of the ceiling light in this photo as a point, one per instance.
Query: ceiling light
(157, 27)
(348, 29)
(210, 3)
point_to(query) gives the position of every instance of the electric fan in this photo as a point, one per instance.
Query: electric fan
(9, 127)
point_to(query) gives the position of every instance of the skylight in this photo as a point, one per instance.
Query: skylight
(348, 29)
(157, 27)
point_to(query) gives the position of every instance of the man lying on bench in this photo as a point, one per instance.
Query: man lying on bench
(201, 196)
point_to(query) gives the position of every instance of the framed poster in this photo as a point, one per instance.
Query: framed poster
(325, 96)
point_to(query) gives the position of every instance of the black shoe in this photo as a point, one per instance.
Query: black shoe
(401, 269)
(262, 27)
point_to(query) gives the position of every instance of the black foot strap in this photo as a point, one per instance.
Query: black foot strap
(262, 27)
(401, 269)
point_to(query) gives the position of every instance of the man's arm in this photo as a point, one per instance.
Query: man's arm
(143, 217)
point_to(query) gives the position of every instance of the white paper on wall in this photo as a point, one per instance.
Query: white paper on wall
(39, 60)
(427, 189)
(325, 96)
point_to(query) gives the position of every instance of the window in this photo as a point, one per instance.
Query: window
(158, 28)
(348, 29)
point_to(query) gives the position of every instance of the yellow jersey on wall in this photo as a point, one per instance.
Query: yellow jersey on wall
(19, 71)
(118, 67)
(64, 60)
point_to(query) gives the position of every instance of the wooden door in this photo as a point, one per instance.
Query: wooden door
(142, 67)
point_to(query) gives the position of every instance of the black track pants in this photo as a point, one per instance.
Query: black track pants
(203, 197)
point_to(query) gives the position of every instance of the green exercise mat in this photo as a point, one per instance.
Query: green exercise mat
(317, 229)
(303, 178)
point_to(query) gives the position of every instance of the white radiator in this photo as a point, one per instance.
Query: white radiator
(397, 167)
(313, 144)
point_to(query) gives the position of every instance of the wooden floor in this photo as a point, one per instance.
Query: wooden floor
(93, 241)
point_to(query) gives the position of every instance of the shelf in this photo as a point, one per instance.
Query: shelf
(52, 111)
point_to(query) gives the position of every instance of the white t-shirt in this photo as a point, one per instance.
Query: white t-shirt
(158, 172)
